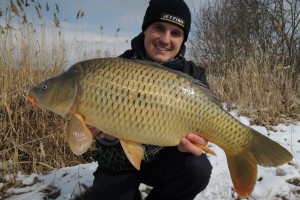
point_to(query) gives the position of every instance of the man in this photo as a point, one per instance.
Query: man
(174, 172)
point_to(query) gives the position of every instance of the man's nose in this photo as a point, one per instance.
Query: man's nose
(166, 37)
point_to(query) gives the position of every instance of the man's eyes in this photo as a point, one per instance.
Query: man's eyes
(159, 28)
(176, 34)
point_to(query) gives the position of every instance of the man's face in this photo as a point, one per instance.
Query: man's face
(162, 41)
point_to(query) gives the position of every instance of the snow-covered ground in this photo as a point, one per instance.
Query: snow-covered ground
(282, 182)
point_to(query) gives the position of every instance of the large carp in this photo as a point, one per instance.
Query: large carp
(145, 103)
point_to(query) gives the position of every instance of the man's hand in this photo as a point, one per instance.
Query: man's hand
(187, 144)
(98, 134)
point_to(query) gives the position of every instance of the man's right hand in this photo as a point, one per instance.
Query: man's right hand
(98, 134)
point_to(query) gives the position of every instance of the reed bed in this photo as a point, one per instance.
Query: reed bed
(31, 139)
(266, 92)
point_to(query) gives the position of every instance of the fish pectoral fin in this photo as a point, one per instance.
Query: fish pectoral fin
(206, 149)
(79, 136)
(134, 152)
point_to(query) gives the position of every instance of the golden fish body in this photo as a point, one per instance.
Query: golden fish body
(144, 103)
(150, 105)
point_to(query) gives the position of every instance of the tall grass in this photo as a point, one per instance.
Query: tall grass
(264, 90)
(31, 139)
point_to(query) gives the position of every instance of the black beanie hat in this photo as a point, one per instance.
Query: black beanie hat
(173, 11)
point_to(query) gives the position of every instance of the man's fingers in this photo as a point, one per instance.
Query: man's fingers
(186, 146)
(197, 139)
(192, 143)
(100, 134)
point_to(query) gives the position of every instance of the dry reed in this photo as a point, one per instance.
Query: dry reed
(31, 139)
(262, 90)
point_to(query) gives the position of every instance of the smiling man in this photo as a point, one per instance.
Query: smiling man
(162, 41)
(177, 173)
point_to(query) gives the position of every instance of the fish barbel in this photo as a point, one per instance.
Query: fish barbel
(140, 102)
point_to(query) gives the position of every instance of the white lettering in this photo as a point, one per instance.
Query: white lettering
(173, 19)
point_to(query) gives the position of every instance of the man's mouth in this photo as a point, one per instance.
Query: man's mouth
(161, 48)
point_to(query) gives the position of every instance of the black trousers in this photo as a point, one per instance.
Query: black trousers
(175, 175)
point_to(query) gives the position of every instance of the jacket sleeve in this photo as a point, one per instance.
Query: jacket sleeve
(127, 54)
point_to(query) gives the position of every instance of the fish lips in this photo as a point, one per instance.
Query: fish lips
(31, 99)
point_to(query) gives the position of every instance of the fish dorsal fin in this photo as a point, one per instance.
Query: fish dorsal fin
(212, 96)
(134, 152)
(79, 136)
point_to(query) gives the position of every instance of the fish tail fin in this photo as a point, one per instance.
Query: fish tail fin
(243, 167)
(243, 173)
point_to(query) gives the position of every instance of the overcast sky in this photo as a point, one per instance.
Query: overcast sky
(126, 15)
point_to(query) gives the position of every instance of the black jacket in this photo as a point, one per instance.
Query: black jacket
(110, 156)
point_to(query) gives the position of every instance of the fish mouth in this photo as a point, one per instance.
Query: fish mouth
(31, 99)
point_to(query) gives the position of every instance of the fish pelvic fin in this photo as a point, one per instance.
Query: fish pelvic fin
(79, 136)
(134, 152)
(260, 151)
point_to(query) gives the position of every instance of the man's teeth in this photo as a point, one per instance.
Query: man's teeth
(161, 48)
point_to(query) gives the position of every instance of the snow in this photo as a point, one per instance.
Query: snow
(282, 182)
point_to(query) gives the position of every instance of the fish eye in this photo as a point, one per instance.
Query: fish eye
(44, 87)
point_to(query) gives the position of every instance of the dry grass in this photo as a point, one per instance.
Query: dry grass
(265, 92)
(31, 139)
